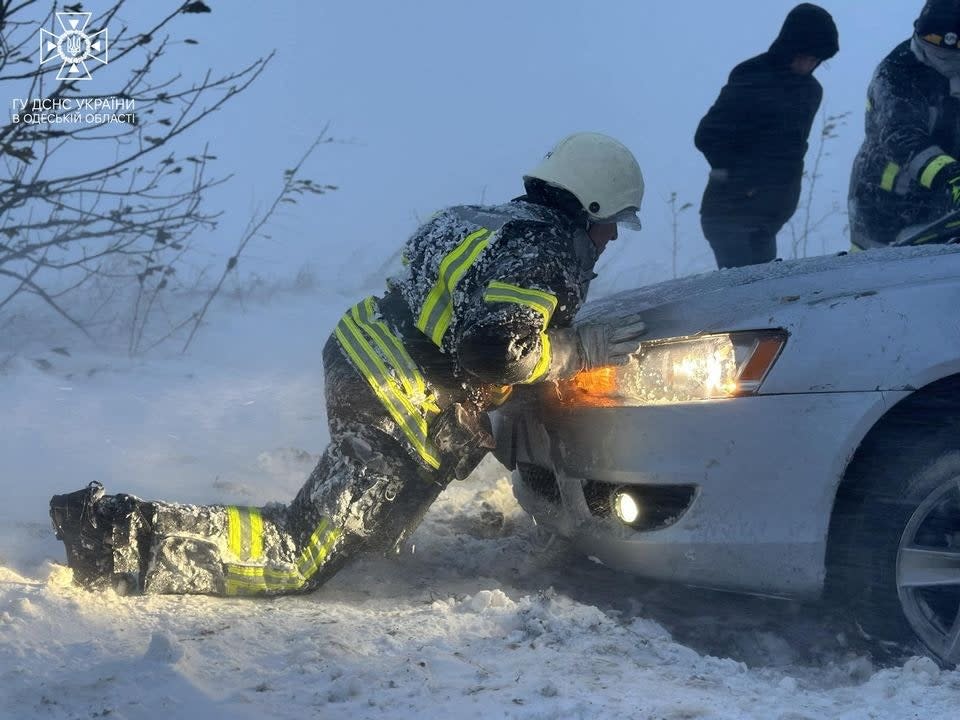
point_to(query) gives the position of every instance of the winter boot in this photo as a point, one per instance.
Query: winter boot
(100, 537)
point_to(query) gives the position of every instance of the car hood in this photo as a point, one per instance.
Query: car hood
(753, 297)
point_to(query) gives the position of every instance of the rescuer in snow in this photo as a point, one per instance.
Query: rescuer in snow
(755, 138)
(907, 173)
(485, 301)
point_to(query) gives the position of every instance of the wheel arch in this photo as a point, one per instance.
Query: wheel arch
(936, 399)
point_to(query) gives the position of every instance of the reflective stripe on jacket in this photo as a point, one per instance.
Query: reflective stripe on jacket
(912, 133)
(484, 283)
(481, 286)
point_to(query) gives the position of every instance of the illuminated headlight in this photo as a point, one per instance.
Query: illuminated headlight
(626, 507)
(676, 370)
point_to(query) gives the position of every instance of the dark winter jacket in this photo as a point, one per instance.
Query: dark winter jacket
(912, 130)
(494, 335)
(755, 135)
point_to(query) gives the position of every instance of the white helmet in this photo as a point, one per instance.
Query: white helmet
(600, 172)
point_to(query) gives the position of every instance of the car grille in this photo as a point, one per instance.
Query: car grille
(540, 480)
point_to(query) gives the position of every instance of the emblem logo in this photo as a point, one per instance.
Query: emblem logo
(74, 47)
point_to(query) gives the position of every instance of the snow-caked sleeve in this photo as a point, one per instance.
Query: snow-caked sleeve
(501, 336)
(905, 153)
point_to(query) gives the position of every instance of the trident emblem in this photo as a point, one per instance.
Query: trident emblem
(73, 46)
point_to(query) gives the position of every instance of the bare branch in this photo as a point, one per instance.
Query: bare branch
(291, 180)
(125, 224)
(31, 285)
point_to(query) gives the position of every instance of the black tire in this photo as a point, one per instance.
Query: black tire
(896, 528)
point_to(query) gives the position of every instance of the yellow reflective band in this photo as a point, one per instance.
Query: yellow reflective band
(869, 105)
(854, 248)
(934, 167)
(241, 581)
(234, 531)
(543, 364)
(256, 534)
(412, 418)
(362, 315)
(255, 579)
(313, 556)
(411, 422)
(437, 311)
(386, 390)
(543, 302)
(452, 278)
(245, 532)
(375, 369)
(889, 177)
(396, 354)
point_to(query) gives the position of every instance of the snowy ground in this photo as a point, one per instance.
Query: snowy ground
(481, 616)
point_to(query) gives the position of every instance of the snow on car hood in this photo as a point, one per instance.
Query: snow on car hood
(749, 297)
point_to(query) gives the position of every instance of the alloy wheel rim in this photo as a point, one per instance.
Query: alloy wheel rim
(928, 571)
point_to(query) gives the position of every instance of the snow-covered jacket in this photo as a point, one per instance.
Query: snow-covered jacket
(469, 315)
(912, 136)
(482, 285)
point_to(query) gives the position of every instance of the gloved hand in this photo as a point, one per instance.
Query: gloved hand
(463, 438)
(604, 344)
(592, 345)
(947, 182)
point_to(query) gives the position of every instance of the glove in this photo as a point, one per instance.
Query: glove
(593, 345)
(602, 345)
(947, 182)
(463, 439)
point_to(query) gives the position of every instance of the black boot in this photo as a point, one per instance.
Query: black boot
(91, 524)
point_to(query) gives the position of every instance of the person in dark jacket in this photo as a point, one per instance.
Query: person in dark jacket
(755, 139)
(486, 301)
(907, 173)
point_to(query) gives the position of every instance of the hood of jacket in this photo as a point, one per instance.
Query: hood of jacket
(808, 30)
(944, 61)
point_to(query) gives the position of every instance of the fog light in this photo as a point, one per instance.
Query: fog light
(626, 507)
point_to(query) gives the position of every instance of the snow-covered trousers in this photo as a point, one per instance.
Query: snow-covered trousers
(366, 493)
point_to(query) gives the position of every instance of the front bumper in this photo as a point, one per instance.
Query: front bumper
(765, 471)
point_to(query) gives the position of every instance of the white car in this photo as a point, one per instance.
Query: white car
(786, 429)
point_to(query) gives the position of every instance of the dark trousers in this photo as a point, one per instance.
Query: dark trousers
(737, 243)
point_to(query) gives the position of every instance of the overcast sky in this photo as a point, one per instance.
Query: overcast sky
(447, 102)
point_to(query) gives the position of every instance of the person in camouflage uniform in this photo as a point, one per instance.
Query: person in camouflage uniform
(906, 174)
(487, 301)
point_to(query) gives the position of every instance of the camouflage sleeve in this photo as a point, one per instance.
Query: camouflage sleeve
(898, 126)
(500, 336)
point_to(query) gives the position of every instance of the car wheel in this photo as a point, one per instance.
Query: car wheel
(897, 538)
